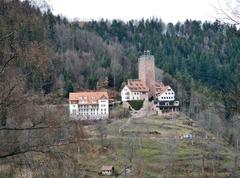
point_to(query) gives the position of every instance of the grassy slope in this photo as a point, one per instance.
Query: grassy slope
(156, 152)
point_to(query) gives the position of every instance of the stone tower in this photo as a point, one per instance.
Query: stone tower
(146, 71)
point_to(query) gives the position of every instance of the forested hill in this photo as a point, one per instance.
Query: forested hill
(207, 52)
(54, 55)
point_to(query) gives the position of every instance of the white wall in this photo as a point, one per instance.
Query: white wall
(73, 109)
(131, 96)
(136, 95)
(101, 112)
(103, 108)
(168, 95)
(124, 95)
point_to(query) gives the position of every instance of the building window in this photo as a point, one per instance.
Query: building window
(74, 111)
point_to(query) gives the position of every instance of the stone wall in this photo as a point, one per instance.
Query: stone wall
(146, 72)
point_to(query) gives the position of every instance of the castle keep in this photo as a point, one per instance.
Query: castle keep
(146, 71)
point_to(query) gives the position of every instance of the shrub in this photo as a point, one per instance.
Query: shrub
(136, 104)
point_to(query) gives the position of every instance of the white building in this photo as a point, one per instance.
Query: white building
(134, 90)
(107, 170)
(89, 105)
(164, 93)
(166, 98)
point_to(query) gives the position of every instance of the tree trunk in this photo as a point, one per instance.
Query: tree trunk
(203, 165)
(213, 168)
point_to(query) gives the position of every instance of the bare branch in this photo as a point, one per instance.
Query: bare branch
(228, 12)
(7, 62)
(6, 36)
(8, 95)
(29, 128)
(38, 148)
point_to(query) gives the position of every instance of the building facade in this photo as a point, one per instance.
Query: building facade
(166, 98)
(134, 90)
(89, 105)
(107, 170)
(165, 93)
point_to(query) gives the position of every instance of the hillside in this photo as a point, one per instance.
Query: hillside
(148, 146)
(44, 57)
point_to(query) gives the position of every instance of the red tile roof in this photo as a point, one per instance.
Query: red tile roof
(160, 88)
(137, 85)
(89, 97)
(107, 168)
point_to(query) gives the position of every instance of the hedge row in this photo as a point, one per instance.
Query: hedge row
(136, 104)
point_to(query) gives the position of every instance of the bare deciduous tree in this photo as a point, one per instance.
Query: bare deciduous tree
(229, 11)
(102, 131)
(131, 147)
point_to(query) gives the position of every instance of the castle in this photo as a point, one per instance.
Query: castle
(146, 87)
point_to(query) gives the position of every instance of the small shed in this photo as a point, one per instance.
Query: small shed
(107, 170)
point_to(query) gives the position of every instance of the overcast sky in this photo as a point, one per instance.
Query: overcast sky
(167, 10)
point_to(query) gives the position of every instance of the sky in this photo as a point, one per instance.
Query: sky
(168, 10)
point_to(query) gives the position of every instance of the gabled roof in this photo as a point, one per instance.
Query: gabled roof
(89, 96)
(160, 88)
(137, 85)
(107, 168)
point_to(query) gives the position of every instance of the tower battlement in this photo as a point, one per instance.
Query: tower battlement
(146, 55)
